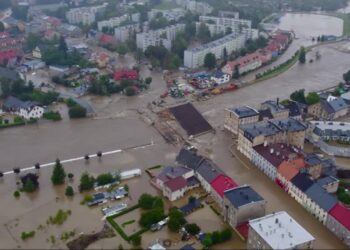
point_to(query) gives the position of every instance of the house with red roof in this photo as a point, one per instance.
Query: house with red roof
(219, 185)
(126, 74)
(287, 170)
(338, 222)
(8, 57)
(102, 60)
(245, 63)
(175, 188)
(105, 39)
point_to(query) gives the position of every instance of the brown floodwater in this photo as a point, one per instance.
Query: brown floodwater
(117, 125)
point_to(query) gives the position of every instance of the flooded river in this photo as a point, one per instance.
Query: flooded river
(117, 125)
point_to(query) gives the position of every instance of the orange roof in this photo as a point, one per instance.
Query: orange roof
(289, 169)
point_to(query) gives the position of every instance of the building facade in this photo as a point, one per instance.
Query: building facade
(234, 117)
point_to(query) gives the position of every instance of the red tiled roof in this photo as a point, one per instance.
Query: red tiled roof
(102, 56)
(341, 214)
(244, 60)
(223, 183)
(125, 74)
(6, 55)
(176, 183)
(289, 169)
(106, 38)
(243, 230)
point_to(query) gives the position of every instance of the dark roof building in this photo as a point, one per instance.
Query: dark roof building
(189, 158)
(170, 172)
(265, 114)
(294, 109)
(289, 124)
(8, 74)
(276, 153)
(242, 195)
(176, 183)
(323, 199)
(208, 170)
(244, 111)
(302, 181)
(12, 103)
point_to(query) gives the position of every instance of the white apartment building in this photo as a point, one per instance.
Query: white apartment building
(123, 33)
(278, 231)
(196, 6)
(170, 15)
(84, 15)
(158, 37)
(117, 21)
(237, 25)
(113, 22)
(194, 58)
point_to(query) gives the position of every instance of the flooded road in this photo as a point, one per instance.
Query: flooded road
(117, 125)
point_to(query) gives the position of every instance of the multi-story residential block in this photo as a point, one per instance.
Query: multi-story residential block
(237, 25)
(329, 109)
(123, 33)
(269, 157)
(278, 231)
(338, 222)
(219, 185)
(242, 204)
(298, 186)
(278, 111)
(84, 15)
(230, 14)
(158, 37)
(113, 22)
(170, 15)
(202, 8)
(287, 131)
(234, 117)
(319, 202)
(194, 57)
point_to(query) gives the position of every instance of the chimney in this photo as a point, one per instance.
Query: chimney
(265, 143)
(271, 150)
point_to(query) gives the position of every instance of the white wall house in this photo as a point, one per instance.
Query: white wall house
(27, 109)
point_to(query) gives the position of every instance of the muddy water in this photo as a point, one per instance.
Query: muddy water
(307, 26)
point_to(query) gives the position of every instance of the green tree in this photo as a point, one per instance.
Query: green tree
(150, 217)
(207, 241)
(86, 182)
(148, 80)
(302, 55)
(346, 76)
(29, 186)
(146, 201)
(130, 91)
(210, 61)
(17, 194)
(298, 96)
(33, 40)
(312, 98)
(77, 112)
(5, 88)
(136, 240)
(192, 229)
(2, 27)
(58, 174)
(69, 191)
(235, 74)
(226, 234)
(122, 49)
(63, 45)
(203, 33)
(126, 187)
(176, 220)
(225, 55)
(104, 179)
(216, 237)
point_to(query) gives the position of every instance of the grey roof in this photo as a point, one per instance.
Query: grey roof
(170, 172)
(208, 170)
(15, 103)
(242, 195)
(189, 159)
(265, 113)
(323, 199)
(8, 74)
(294, 108)
(244, 111)
(289, 124)
(274, 106)
(312, 159)
(260, 128)
(338, 104)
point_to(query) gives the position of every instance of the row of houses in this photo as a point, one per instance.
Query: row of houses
(275, 147)
(278, 43)
(240, 206)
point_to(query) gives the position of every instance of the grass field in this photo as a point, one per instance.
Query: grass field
(346, 19)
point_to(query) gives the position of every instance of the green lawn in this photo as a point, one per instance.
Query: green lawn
(166, 5)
